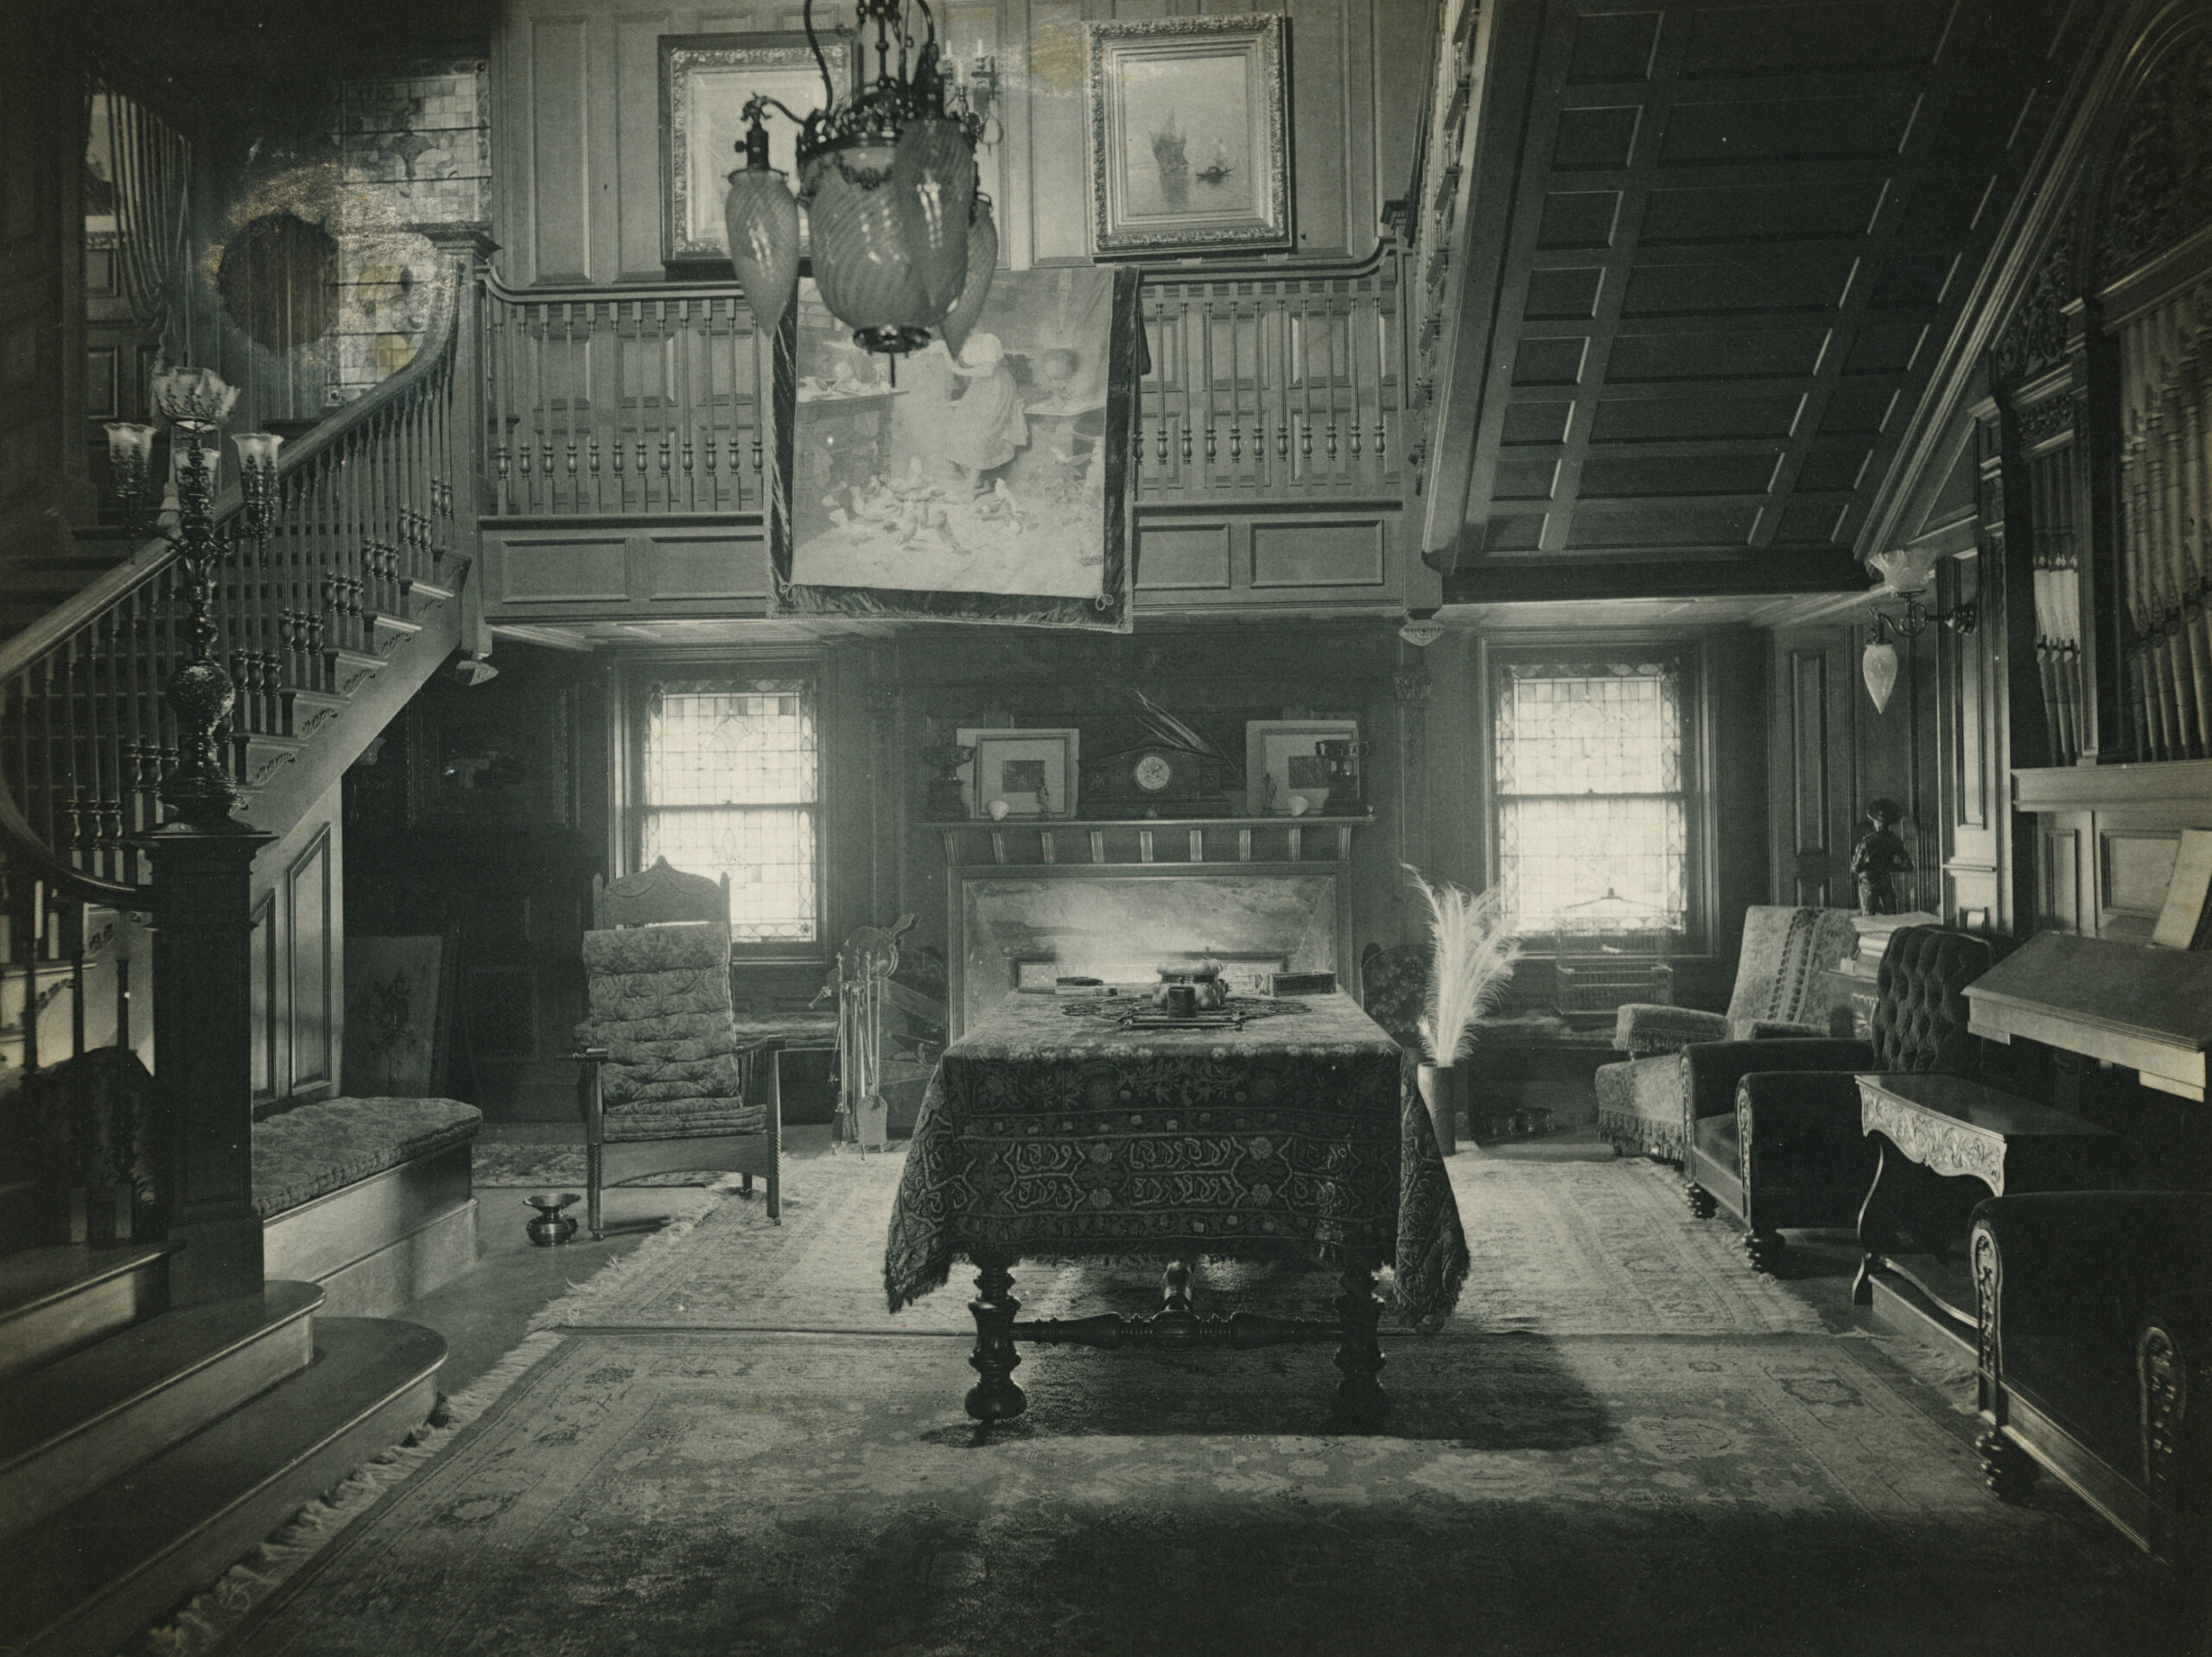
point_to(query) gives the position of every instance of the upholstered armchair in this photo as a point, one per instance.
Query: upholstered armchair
(2095, 1355)
(666, 1083)
(1779, 992)
(1774, 1125)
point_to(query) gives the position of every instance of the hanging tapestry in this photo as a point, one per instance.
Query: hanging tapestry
(992, 486)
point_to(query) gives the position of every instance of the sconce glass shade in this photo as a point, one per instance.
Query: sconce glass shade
(933, 182)
(257, 449)
(860, 263)
(982, 265)
(762, 218)
(1877, 665)
(1906, 570)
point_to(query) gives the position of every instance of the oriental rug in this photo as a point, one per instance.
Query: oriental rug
(743, 1493)
(1568, 1247)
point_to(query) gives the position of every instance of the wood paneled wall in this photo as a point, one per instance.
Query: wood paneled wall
(577, 122)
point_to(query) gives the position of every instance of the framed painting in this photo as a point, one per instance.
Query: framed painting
(1031, 773)
(399, 1002)
(1283, 764)
(1188, 135)
(490, 760)
(705, 80)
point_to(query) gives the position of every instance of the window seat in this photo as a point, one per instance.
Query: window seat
(368, 1198)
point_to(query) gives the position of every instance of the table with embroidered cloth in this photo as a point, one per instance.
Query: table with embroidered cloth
(1054, 1131)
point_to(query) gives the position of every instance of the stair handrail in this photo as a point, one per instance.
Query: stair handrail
(22, 846)
(21, 651)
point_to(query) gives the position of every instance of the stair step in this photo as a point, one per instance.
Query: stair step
(55, 1299)
(429, 593)
(98, 1572)
(70, 1427)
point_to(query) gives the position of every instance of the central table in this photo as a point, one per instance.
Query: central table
(1052, 1132)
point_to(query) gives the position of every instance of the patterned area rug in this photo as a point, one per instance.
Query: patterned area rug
(1567, 1247)
(678, 1493)
(523, 1166)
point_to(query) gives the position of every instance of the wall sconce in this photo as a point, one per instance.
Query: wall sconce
(976, 79)
(1877, 663)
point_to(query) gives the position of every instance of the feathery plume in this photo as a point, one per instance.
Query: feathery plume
(1473, 962)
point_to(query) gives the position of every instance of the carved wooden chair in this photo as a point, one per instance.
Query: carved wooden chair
(666, 1083)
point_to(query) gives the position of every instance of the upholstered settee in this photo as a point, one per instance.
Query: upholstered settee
(1773, 1125)
(1779, 992)
(2095, 1355)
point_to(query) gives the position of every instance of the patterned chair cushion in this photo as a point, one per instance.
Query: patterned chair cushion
(1640, 1107)
(313, 1150)
(659, 1004)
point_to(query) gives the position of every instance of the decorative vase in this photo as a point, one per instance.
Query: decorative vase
(1443, 1090)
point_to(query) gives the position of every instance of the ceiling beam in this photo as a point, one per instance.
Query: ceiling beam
(1559, 579)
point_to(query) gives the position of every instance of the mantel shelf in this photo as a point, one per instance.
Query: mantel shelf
(1103, 842)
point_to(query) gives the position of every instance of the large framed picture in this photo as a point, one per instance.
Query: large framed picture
(1031, 773)
(1189, 135)
(705, 80)
(1283, 764)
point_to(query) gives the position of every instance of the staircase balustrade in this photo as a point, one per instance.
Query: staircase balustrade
(1279, 381)
(366, 514)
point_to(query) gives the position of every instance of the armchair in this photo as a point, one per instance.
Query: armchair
(1778, 993)
(1774, 1125)
(666, 1084)
(2094, 1311)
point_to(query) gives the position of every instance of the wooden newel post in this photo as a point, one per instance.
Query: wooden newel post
(203, 1049)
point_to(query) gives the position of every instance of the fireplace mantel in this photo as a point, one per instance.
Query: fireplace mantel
(1133, 890)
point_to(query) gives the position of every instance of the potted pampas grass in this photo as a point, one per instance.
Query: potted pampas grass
(1470, 962)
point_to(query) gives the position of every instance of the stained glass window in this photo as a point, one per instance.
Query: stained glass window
(1592, 801)
(731, 785)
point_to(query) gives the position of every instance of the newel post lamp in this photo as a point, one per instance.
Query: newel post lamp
(902, 239)
(195, 402)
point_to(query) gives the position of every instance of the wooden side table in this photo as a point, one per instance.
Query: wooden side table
(1956, 1129)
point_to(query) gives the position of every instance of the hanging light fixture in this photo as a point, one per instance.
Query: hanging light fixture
(903, 241)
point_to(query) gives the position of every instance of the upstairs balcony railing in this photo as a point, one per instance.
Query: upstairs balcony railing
(1281, 382)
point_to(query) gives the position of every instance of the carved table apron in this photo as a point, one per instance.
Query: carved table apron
(1296, 1136)
(1954, 1127)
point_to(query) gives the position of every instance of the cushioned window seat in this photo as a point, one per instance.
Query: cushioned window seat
(368, 1198)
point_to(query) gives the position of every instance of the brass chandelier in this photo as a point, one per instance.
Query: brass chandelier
(902, 240)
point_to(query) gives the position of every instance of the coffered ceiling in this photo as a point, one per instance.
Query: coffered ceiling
(1710, 258)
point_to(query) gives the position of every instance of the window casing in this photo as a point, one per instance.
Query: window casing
(1597, 789)
(726, 778)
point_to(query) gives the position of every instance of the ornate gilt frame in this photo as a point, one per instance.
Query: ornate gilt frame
(1262, 40)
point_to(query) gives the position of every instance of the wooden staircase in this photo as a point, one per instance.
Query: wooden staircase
(147, 1444)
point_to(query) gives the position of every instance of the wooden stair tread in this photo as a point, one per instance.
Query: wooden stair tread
(36, 1278)
(74, 1394)
(101, 1569)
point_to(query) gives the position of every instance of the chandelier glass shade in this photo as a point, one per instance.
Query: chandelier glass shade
(888, 175)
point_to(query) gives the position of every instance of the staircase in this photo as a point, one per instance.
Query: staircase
(144, 1447)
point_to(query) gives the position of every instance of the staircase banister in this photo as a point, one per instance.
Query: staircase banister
(22, 851)
(20, 652)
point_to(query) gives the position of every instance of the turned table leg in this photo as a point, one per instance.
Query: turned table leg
(1876, 1234)
(1360, 1400)
(995, 1397)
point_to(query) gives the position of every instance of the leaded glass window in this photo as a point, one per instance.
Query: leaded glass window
(1592, 801)
(731, 784)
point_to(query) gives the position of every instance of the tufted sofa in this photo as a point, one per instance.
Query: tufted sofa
(1773, 1125)
(1780, 991)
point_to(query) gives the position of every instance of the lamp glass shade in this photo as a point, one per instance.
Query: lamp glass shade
(933, 182)
(129, 441)
(762, 218)
(257, 449)
(194, 396)
(1877, 665)
(982, 265)
(860, 262)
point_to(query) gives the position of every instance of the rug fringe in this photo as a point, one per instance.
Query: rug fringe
(211, 1615)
